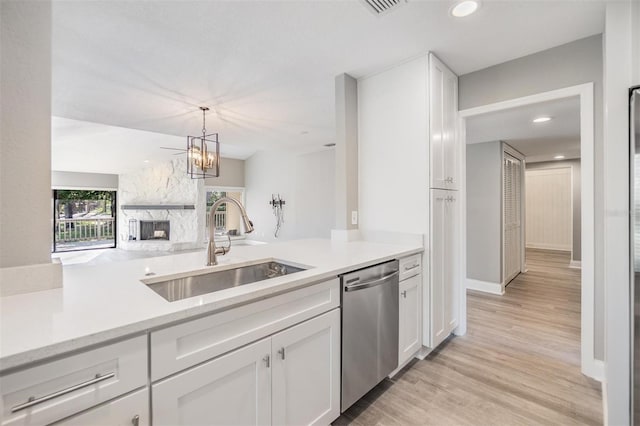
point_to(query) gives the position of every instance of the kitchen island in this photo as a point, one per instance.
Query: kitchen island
(103, 306)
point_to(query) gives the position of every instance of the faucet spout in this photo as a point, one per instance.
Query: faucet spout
(212, 250)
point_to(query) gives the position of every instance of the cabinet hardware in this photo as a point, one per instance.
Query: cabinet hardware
(404, 294)
(281, 352)
(267, 360)
(408, 268)
(35, 401)
(135, 421)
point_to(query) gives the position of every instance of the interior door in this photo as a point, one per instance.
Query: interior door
(511, 214)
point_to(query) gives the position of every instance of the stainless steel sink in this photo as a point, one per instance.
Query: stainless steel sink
(196, 285)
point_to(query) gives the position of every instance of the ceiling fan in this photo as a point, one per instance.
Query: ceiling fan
(182, 151)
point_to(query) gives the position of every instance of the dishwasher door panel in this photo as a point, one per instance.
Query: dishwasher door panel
(369, 333)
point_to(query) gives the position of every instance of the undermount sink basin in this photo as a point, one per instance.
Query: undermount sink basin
(196, 285)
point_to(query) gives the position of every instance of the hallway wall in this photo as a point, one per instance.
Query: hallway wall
(571, 64)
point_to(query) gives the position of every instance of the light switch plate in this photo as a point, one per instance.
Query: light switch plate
(354, 217)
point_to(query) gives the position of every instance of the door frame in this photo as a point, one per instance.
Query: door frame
(585, 92)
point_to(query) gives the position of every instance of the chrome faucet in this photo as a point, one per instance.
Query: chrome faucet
(212, 250)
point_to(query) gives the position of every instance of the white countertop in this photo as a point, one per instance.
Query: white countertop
(104, 302)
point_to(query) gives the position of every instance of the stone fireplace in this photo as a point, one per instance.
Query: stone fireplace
(168, 207)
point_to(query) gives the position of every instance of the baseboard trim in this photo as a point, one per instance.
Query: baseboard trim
(575, 264)
(485, 286)
(594, 369)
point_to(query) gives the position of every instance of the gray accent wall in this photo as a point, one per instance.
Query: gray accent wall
(576, 196)
(231, 174)
(484, 212)
(571, 64)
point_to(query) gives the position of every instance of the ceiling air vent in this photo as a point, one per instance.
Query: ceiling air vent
(382, 6)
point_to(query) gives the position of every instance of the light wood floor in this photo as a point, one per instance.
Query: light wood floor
(519, 363)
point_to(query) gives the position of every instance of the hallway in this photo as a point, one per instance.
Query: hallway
(518, 364)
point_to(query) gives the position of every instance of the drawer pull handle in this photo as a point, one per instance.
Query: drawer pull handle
(35, 401)
(408, 268)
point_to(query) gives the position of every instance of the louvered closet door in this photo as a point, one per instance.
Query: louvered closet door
(511, 208)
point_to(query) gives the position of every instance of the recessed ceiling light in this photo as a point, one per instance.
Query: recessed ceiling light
(541, 119)
(146, 161)
(559, 157)
(464, 8)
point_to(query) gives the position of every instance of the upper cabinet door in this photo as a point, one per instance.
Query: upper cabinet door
(306, 372)
(443, 134)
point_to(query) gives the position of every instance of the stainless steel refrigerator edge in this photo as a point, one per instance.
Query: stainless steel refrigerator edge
(369, 329)
(634, 202)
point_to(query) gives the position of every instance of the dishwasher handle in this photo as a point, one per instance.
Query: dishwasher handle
(373, 283)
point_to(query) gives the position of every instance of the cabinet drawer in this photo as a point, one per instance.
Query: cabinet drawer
(179, 347)
(58, 389)
(410, 266)
(130, 410)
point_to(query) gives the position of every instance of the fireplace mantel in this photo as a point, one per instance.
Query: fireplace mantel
(158, 207)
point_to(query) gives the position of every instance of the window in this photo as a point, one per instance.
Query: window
(83, 220)
(227, 218)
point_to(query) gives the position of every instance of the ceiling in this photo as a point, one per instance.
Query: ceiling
(537, 141)
(267, 68)
(81, 146)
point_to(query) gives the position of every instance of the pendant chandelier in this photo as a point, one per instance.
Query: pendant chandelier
(203, 153)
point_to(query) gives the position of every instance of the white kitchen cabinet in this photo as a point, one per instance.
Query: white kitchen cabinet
(232, 389)
(409, 335)
(443, 265)
(443, 111)
(306, 372)
(184, 345)
(58, 389)
(290, 378)
(129, 410)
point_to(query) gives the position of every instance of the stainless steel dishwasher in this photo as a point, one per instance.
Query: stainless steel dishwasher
(369, 329)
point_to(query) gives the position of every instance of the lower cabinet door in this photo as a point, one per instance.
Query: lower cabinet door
(409, 322)
(234, 389)
(306, 372)
(130, 410)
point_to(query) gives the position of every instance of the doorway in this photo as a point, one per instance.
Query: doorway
(584, 93)
(83, 220)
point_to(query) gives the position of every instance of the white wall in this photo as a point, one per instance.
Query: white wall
(620, 63)
(563, 66)
(484, 212)
(305, 182)
(77, 180)
(393, 149)
(25, 133)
